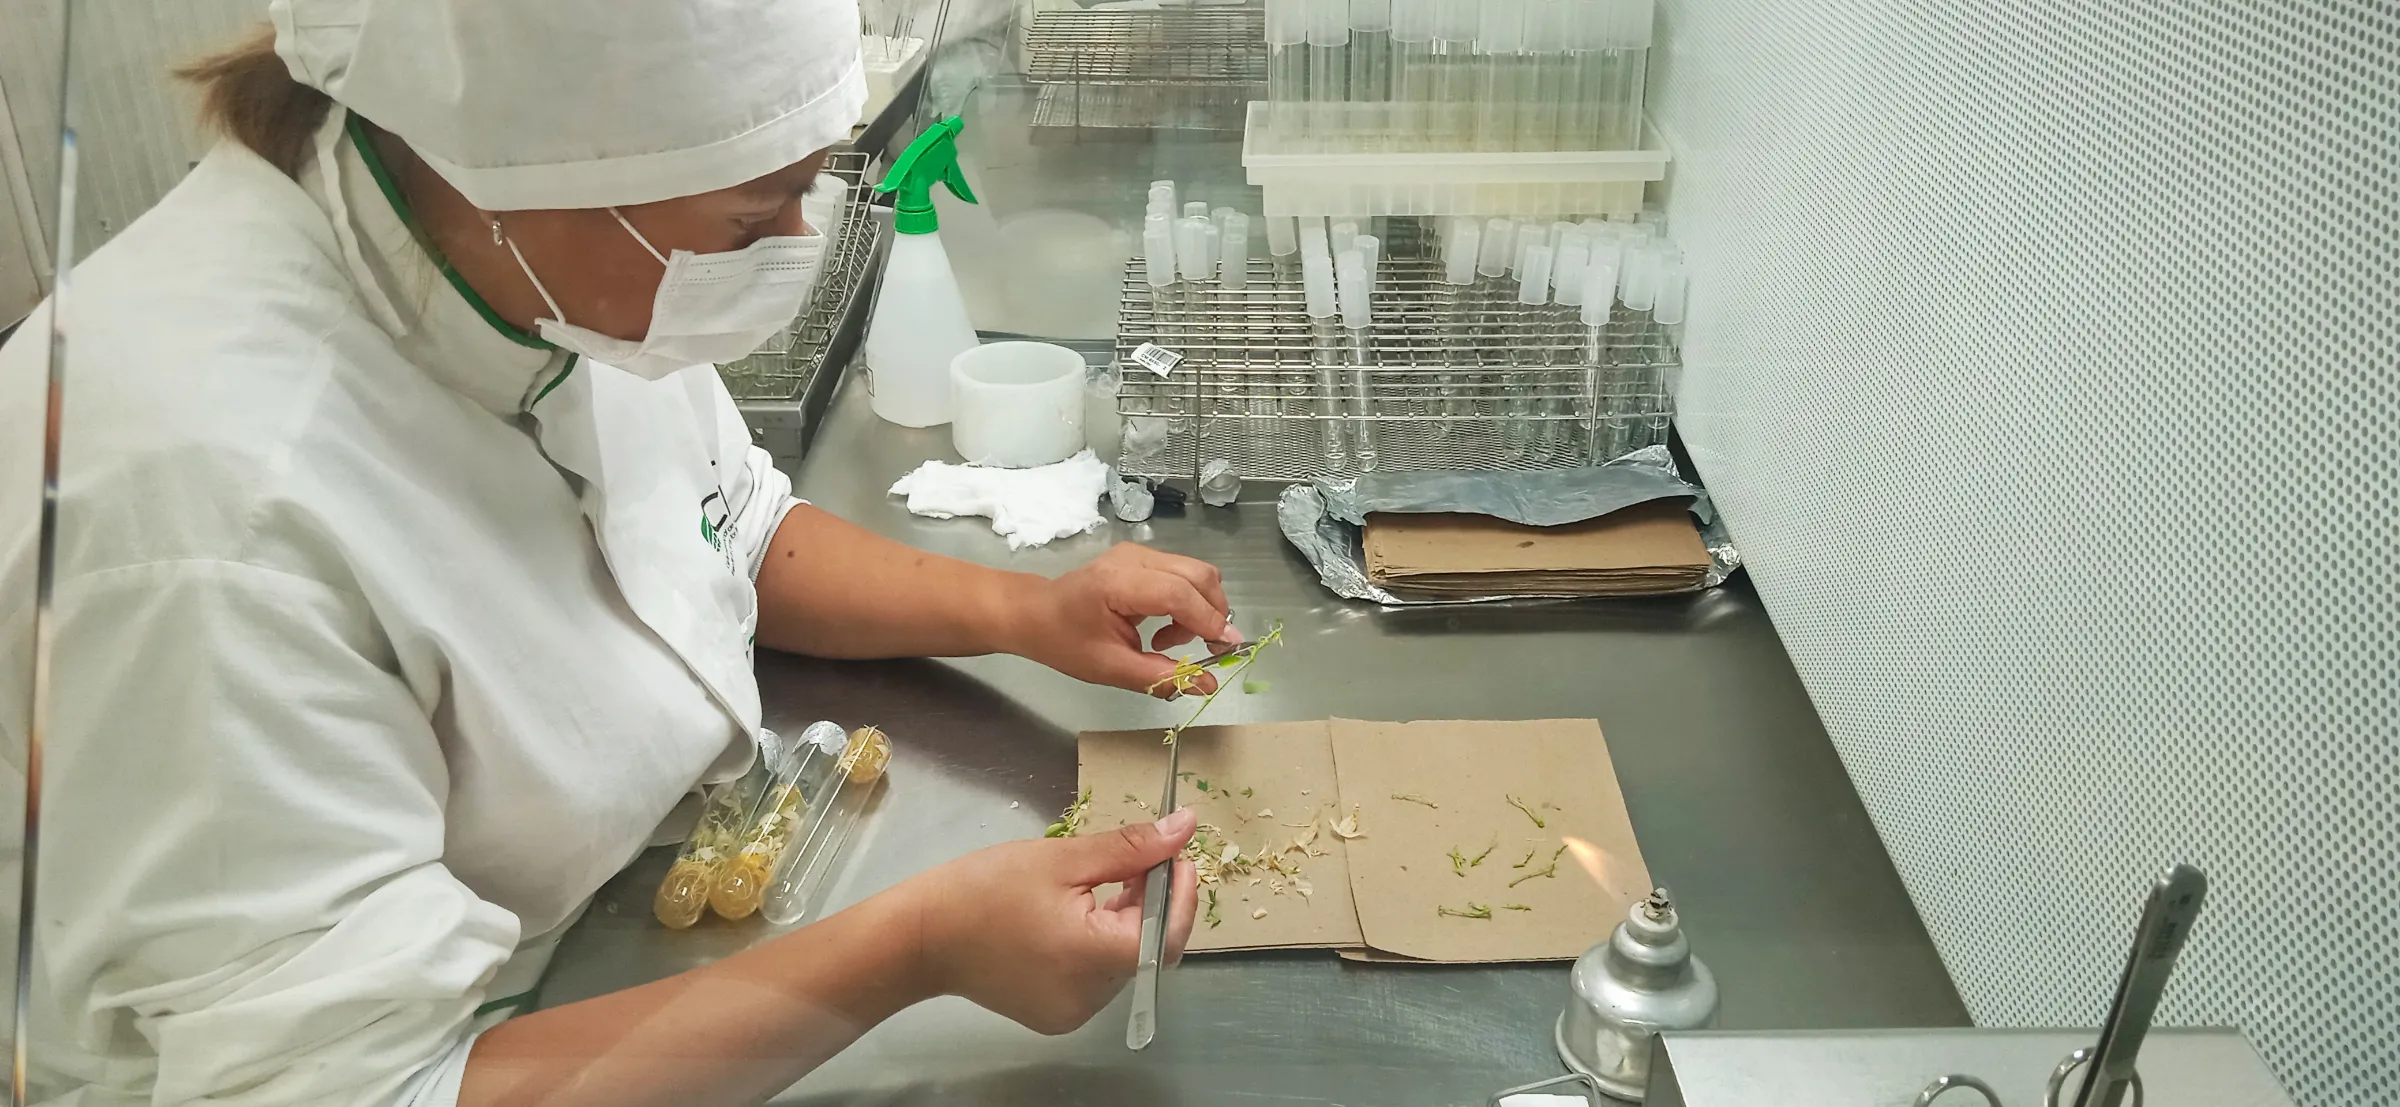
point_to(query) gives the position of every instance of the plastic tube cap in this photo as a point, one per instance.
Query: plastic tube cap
(1466, 243)
(1316, 282)
(1638, 280)
(1533, 275)
(1287, 22)
(1353, 290)
(1312, 241)
(1158, 253)
(1233, 269)
(1599, 291)
(1196, 207)
(1412, 20)
(1668, 305)
(1567, 266)
(1370, 15)
(1283, 235)
(1191, 247)
(1328, 22)
(1499, 238)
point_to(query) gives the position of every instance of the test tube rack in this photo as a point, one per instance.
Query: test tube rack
(1461, 378)
(1190, 69)
(783, 386)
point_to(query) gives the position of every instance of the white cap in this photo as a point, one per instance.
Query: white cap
(559, 104)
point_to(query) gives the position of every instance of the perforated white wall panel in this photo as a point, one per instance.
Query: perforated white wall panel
(2045, 359)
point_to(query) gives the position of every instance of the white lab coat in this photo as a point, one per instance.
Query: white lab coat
(380, 647)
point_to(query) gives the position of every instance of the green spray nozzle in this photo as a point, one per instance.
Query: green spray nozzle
(932, 157)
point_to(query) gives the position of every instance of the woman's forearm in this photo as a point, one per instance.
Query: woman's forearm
(831, 588)
(735, 1031)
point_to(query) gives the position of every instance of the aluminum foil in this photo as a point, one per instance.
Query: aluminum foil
(1323, 518)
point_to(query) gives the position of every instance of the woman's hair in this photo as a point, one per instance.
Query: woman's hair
(247, 94)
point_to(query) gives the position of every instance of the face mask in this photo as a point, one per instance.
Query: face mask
(710, 308)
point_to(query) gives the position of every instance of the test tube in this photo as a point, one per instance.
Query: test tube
(1287, 65)
(1464, 245)
(1595, 304)
(1316, 280)
(1413, 72)
(1590, 47)
(1328, 65)
(1599, 304)
(1500, 44)
(1370, 254)
(1666, 310)
(1358, 321)
(1548, 76)
(1162, 193)
(1455, 75)
(1371, 53)
(1194, 262)
(1528, 435)
(1344, 235)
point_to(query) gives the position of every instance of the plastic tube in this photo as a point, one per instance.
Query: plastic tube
(1343, 236)
(1596, 399)
(1370, 253)
(1328, 63)
(1413, 72)
(1191, 247)
(1638, 280)
(1371, 53)
(1499, 43)
(1358, 383)
(1455, 76)
(1287, 65)
(1547, 75)
(1316, 282)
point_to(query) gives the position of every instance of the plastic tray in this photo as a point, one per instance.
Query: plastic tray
(1315, 159)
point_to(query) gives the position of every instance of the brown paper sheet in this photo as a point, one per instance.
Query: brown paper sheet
(1375, 897)
(1649, 547)
(1288, 768)
(1402, 875)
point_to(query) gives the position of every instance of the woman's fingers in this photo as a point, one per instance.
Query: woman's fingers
(1205, 579)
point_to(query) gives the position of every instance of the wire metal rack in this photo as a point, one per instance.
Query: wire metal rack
(1455, 377)
(1189, 69)
(790, 363)
(1103, 107)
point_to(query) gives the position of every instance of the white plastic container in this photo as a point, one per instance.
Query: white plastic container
(1019, 404)
(920, 326)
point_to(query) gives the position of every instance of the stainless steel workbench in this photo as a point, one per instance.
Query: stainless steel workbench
(1738, 800)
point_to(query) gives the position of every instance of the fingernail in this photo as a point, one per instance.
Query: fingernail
(1179, 821)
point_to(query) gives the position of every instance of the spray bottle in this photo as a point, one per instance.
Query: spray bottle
(920, 319)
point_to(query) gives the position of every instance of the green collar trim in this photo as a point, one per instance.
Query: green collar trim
(560, 379)
(391, 191)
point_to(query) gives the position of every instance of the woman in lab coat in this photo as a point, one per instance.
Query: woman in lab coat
(412, 564)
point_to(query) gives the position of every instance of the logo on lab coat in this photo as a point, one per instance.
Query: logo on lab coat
(715, 522)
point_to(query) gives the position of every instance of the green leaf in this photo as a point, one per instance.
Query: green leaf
(1254, 687)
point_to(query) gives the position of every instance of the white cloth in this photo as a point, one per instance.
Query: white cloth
(1029, 507)
(383, 641)
(573, 104)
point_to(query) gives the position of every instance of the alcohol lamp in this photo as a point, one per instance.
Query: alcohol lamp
(1625, 990)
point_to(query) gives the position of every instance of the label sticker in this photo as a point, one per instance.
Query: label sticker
(1156, 358)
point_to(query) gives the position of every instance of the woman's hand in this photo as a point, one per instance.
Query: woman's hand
(1087, 624)
(1017, 929)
